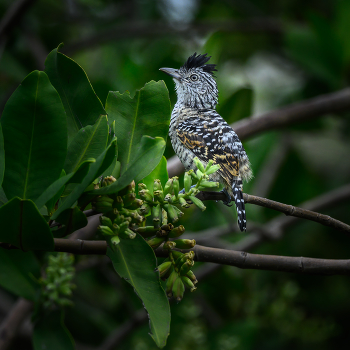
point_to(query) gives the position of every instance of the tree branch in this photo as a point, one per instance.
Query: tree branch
(10, 325)
(284, 208)
(301, 111)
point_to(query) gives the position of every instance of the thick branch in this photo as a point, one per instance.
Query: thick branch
(301, 111)
(284, 208)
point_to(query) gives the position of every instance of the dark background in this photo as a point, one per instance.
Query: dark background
(269, 54)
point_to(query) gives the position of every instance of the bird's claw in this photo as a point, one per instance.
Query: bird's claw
(228, 198)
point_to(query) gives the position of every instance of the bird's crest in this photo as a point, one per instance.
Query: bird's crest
(198, 61)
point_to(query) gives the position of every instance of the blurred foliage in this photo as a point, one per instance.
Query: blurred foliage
(279, 53)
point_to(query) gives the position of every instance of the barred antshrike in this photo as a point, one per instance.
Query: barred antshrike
(197, 130)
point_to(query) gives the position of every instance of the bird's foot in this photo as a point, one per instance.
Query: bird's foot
(228, 199)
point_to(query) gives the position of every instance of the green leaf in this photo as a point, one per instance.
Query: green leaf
(238, 106)
(51, 333)
(96, 169)
(35, 137)
(73, 219)
(146, 159)
(82, 105)
(160, 172)
(18, 271)
(89, 142)
(56, 187)
(134, 260)
(3, 198)
(2, 157)
(147, 113)
(24, 227)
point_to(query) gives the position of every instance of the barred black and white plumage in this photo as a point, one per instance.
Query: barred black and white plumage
(196, 129)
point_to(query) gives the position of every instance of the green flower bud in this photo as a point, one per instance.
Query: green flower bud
(145, 209)
(129, 198)
(179, 212)
(196, 201)
(212, 169)
(187, 182)
(209, 165)
(103, 199)
(147, 231)
(178, 289)
(157, 185)
(163, 268)
(142, 186)
(157, 216)
(123, 226)
(155, 242)
(116, 228)
(137, 203)
(186, 266)
(191, 276)
(115, 240)
(199, 174)
(176, 254)
(167, 227)
(108, 180)
(128, 189)
(188, 283)
(177, 232)
(199, 164)
(102, 207)
(183, 202)
(105, 221)
(170, 282)
(128, 234)
(208, 184)
(185, 243)
(158, 196)
(176, 186)
(168, 188)
(146, 195)
(167, 273)
(118, 203)
(172, 212)
(168, 245)
(105, 230)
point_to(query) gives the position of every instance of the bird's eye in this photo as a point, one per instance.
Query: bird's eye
(194, 77)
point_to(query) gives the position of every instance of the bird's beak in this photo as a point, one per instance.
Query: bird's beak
(172, 72)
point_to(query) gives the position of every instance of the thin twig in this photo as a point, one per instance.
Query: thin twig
(298, 112)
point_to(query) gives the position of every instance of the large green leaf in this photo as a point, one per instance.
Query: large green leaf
(238, 106)
(2, 157)
(89, 142)
(96, 169)
(51, 333)
(72, 219)
(35, 137)
(24, 227)
(146, 159)
(134, 260)
(18, 271)
(56, 186)
(160, 172)
(82, 105)
(3, 198)
(147, 113)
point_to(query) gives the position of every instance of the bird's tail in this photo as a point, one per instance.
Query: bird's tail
(240, 206)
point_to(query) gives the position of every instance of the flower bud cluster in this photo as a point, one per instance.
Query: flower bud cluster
(176, 270)
(57, 284)
(121, 212)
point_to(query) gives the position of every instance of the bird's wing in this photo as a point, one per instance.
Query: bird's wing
(206, 141)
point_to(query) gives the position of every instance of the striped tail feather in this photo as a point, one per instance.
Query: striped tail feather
(240, 205)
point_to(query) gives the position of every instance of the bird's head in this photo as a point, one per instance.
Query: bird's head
(195, 83)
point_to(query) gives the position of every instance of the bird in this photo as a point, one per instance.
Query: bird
(197, 130)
